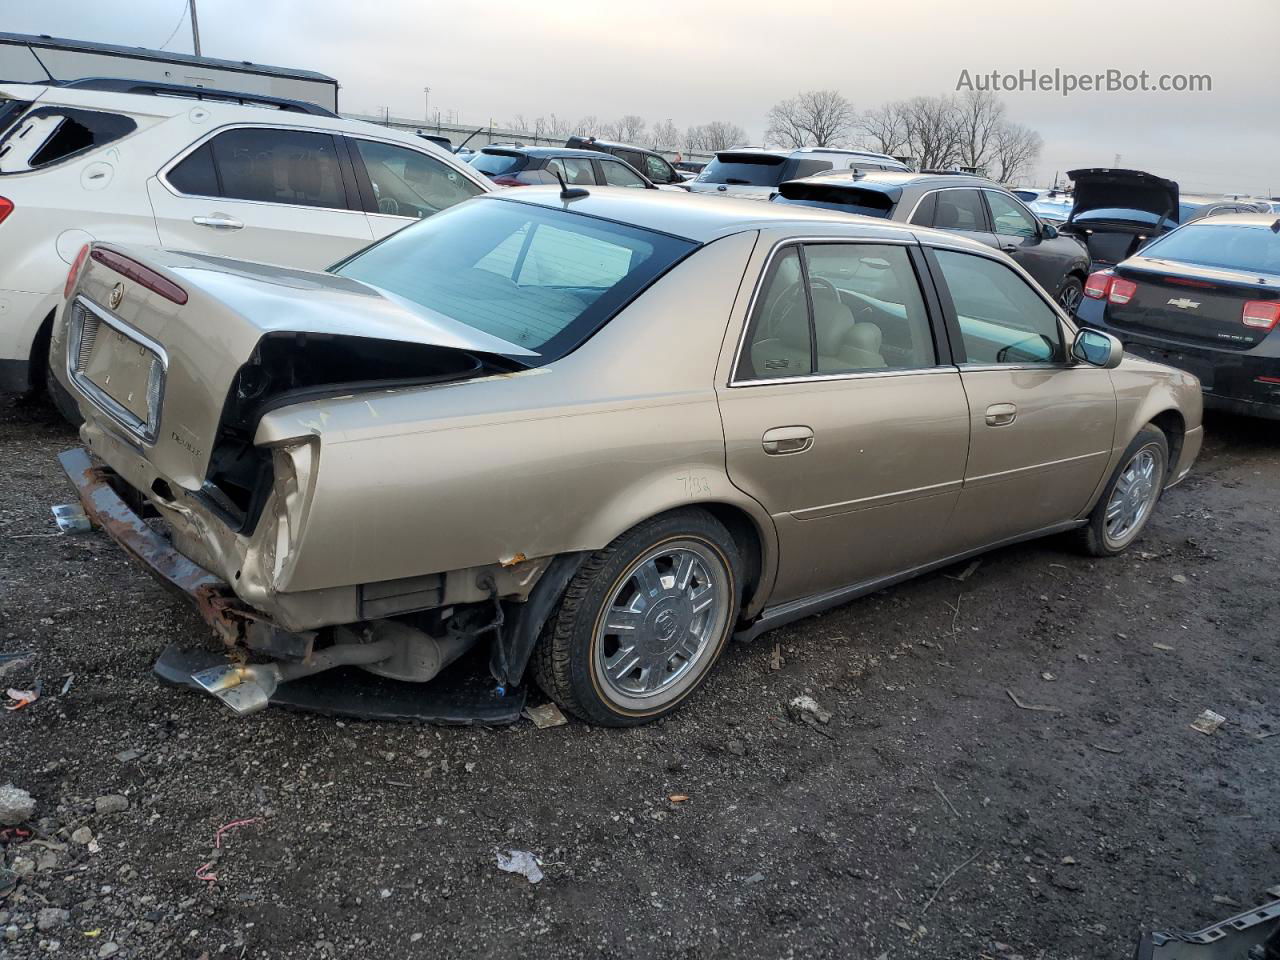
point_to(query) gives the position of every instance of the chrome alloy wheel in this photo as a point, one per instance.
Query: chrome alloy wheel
(1134, 495)
(662, 624)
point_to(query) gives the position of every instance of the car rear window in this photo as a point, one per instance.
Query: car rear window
(1185, 211)
(49, 135)
(868, 203)
(1251, 249)
(543, 280)
(496, 164)
(744, 169)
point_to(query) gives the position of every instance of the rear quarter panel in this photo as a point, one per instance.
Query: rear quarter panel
(561, 458)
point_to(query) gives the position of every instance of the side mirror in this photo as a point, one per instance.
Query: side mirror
(1048, 231)
(1097, 349)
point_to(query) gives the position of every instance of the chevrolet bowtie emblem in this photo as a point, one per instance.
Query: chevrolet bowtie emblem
(1182, 303)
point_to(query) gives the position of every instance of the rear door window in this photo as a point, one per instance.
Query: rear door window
(50, 135)
(407, 183)
(620, 175)
(960, 210)
(268, 166)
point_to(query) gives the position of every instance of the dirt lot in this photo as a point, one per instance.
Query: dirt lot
(932, 817)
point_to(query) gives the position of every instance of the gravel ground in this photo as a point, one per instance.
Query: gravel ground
(930, 817)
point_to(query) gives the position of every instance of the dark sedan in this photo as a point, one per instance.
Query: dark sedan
(1205, 298)
(517, 166)
(958, 203)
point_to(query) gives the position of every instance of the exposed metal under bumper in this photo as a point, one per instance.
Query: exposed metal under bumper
(231, 619)
(1254, 934)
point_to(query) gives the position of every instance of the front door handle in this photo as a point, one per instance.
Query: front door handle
(1001, 414)
(783, 440)
(1008, 247)
(219, 221)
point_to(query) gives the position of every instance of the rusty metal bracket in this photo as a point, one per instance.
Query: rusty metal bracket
(231, 619)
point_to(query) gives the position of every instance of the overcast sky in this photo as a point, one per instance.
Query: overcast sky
(732, 59)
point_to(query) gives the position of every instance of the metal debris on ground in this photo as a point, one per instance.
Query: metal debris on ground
(546, 715)
(754, 878)
(775, 657)
(1162, 646)
(520, 861)
(71, 518)
(1178, 578)
(1208, 722)
(1030, 706)
(1046, 675)
(966, 573)
(66, 684)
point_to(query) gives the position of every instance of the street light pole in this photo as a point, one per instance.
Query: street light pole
(195, 26)
(426, 104)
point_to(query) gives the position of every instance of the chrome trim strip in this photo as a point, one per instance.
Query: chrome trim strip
(857, 375)
(143, 431)
(910, 240)
(879, 500)
(794, 610)
(1035, 467)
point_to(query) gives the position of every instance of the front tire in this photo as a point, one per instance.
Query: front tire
(1130, 496)
(643, 621)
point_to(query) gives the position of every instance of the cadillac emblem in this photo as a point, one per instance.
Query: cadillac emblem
(117, 294)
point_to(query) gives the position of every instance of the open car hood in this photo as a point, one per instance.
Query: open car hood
(1099, 188)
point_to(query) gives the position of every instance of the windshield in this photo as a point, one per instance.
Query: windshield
(1250, 249)
(541, 279)
(744, 169)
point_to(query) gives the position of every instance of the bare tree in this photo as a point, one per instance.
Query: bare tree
(695, 138)
(979, 117)
(664, 135)
(588, 126)
(932, 129)
(1016, 149)
(885, 128)
(558, 128)
(818, 118)
(629, 129)
(722, 134)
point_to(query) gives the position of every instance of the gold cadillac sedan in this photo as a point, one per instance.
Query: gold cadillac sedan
(597, 433)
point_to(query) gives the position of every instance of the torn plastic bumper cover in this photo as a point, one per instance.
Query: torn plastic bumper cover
(300, 684)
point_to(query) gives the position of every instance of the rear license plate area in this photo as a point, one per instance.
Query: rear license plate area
(116, 369)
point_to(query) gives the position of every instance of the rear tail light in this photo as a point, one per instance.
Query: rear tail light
(509, 182)
(1122, 291)
(1098, 285)
(1262, 314)
(145, 276)
(74, 273)
(6, 208)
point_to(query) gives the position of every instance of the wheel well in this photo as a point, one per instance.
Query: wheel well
(39, 359)
(747, 539)
(1174, 428)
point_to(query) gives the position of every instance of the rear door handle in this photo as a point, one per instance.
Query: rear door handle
(219, 221)
(783, 440)
(1001, 414)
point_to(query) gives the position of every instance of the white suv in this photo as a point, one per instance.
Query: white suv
(243, 176)
(755, 173)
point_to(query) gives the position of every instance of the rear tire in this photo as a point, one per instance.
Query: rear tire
(643, 621)
(1130, 496)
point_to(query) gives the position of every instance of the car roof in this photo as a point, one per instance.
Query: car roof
(895, 178)
(543, 151)
(614, 143)
(702, 218)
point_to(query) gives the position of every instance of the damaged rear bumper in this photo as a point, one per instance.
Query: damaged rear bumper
(230, 618)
